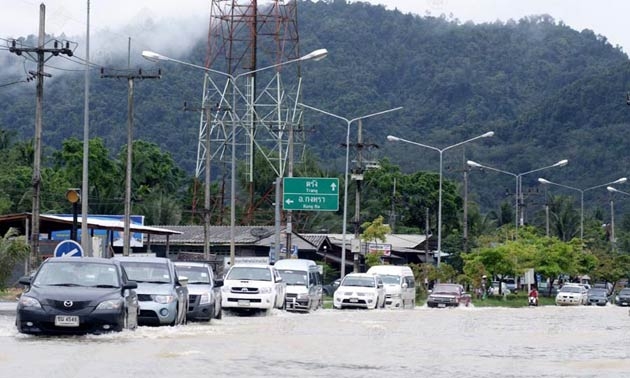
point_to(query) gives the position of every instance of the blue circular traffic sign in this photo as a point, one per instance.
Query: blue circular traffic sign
(68, 248)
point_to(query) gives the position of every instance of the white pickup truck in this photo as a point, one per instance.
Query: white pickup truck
(252, 287)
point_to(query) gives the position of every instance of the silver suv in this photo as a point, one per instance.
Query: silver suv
(204, 290)
(162, 296)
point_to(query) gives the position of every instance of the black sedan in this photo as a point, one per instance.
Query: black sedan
(623, 297)
(597, 296)
(77, 295)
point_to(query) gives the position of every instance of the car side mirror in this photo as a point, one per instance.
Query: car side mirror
(130, 285)
(25, 280)
(279, 279)
(182, 281)
(404, 285)
(379, 285)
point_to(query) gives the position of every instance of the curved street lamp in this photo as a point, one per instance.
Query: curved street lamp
(612, 214)
(518, 195)
(581, 191)
(345, 180)
(155, 57)
(441, 151)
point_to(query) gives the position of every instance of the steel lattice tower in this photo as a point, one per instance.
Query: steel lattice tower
(243, 37)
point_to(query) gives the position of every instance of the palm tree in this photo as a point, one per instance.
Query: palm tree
(13, 249)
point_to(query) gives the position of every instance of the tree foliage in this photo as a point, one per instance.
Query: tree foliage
(13, 249)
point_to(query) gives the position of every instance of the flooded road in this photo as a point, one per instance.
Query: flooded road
(464, 342)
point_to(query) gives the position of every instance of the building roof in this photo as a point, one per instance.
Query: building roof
(49, 223)
(193, 235)
(398, 241)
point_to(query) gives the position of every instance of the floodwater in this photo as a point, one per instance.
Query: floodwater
(539, 342)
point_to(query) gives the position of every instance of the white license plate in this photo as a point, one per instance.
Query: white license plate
(441, 305)
(353, 300)
(66, 321)
(243, 302)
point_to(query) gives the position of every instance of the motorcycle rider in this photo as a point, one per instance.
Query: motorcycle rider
(533, 297)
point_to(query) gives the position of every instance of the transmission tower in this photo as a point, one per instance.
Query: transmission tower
(245, 37)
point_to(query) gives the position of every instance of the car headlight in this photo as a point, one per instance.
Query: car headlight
(265, 290)
(302, 296)
(205, 298)
(26, 301)
(617, 299)
(395, 295)
(163, 299)
(225, 289)
(113, 304)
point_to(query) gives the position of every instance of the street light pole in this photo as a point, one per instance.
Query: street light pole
(581, 191)
(155, 57)
(612, 214)
(560, 163)
(474, 164)
(345, 179)
(392, 138)
(518, 176)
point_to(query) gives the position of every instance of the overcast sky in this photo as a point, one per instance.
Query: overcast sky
(126, 19)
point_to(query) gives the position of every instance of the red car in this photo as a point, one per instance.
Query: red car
(448, 295)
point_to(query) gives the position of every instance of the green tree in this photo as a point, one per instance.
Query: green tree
(13, 249)
(374, 231)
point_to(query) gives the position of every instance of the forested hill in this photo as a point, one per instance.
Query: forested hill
(549, 92)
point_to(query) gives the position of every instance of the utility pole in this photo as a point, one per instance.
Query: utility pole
(131, 76)
(357, 174)
(426, 236)
(392, 212)
(85, 187)
(207, 211)
(38, 54)
(465, 220)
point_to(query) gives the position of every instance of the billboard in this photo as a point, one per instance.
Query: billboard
(385, 249)
(136, 237)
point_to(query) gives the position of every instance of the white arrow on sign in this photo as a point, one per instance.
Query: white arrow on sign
(72, 252)
(333, 186)
(289, 201)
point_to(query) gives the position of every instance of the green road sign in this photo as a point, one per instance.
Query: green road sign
(310, 193)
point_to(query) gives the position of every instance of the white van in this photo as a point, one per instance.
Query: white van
(400, 285)
(304, 284)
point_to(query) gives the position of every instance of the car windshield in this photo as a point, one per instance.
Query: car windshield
(195, 274)
(77, 273)
(571, 289)
(358, 281)
(624, 292)
(249, 273)
(293, 277)
(597, 291)
(145, 271)
(389, 279)
(446, 289)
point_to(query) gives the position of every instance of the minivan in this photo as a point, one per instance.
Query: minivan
(304, 284)
(400, 285)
